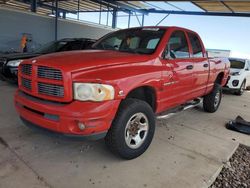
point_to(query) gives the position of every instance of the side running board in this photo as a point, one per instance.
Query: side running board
(170, 113)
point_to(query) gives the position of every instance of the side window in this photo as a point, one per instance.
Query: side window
(196, 45)
(178, 46)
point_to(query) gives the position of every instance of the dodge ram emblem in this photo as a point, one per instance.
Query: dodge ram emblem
(33, 61)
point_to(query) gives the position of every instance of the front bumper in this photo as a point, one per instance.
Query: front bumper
(231, 85)
(226, 88)
(35, 127)
(64, 118)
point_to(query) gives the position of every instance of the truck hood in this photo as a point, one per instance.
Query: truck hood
(75, 61)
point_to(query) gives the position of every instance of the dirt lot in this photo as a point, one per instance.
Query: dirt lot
(188, 150)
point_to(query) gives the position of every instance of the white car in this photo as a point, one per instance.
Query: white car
(239, 75)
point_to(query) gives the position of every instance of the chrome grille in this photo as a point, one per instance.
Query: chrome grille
(50, 89)
(26, 69)
(49, 73)
(26, 83)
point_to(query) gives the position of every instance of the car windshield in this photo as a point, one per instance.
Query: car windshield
(56, 46)
(139, 40)
(237, 64)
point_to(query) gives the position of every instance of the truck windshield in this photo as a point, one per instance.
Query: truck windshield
(237, 64)
(138, 40)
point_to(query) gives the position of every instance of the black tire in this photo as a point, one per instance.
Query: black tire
(116, 136)
(242, 88)
(210, 102)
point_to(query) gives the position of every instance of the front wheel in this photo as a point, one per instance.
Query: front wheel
(211, 102)
(132, 129)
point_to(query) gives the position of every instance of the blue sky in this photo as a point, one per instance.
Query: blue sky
(229, 33)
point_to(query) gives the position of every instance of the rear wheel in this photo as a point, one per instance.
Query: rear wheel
(132, 129)
(211, 102)
(242, 88)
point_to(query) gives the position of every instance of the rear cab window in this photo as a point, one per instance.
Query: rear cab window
(195, 45)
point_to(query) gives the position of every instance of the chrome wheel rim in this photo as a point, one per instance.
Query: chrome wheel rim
(217, 99)
(136, 130)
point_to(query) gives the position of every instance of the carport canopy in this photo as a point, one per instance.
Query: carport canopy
(207, 7)
(60, 8)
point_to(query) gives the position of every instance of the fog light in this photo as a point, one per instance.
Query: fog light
(235, 83)
(81, 125)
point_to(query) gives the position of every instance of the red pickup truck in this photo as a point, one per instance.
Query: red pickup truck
(115, 90)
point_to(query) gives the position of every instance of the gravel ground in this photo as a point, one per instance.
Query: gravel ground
(236, 172)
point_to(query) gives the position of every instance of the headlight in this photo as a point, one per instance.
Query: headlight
(93, 92)
(235, 73)
(14, 63)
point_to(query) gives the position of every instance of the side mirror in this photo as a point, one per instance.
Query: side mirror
(168, 55)
(165, 54)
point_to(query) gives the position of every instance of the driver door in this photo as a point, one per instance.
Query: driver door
(178, 84)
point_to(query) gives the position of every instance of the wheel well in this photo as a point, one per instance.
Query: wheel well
(144, 93)
(219, 78)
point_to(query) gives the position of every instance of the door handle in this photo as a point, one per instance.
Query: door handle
(205, 65)
(189, 67)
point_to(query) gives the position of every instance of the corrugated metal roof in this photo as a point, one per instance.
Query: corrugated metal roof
(225, 6)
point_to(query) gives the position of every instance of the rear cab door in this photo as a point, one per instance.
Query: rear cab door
(200, 63)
